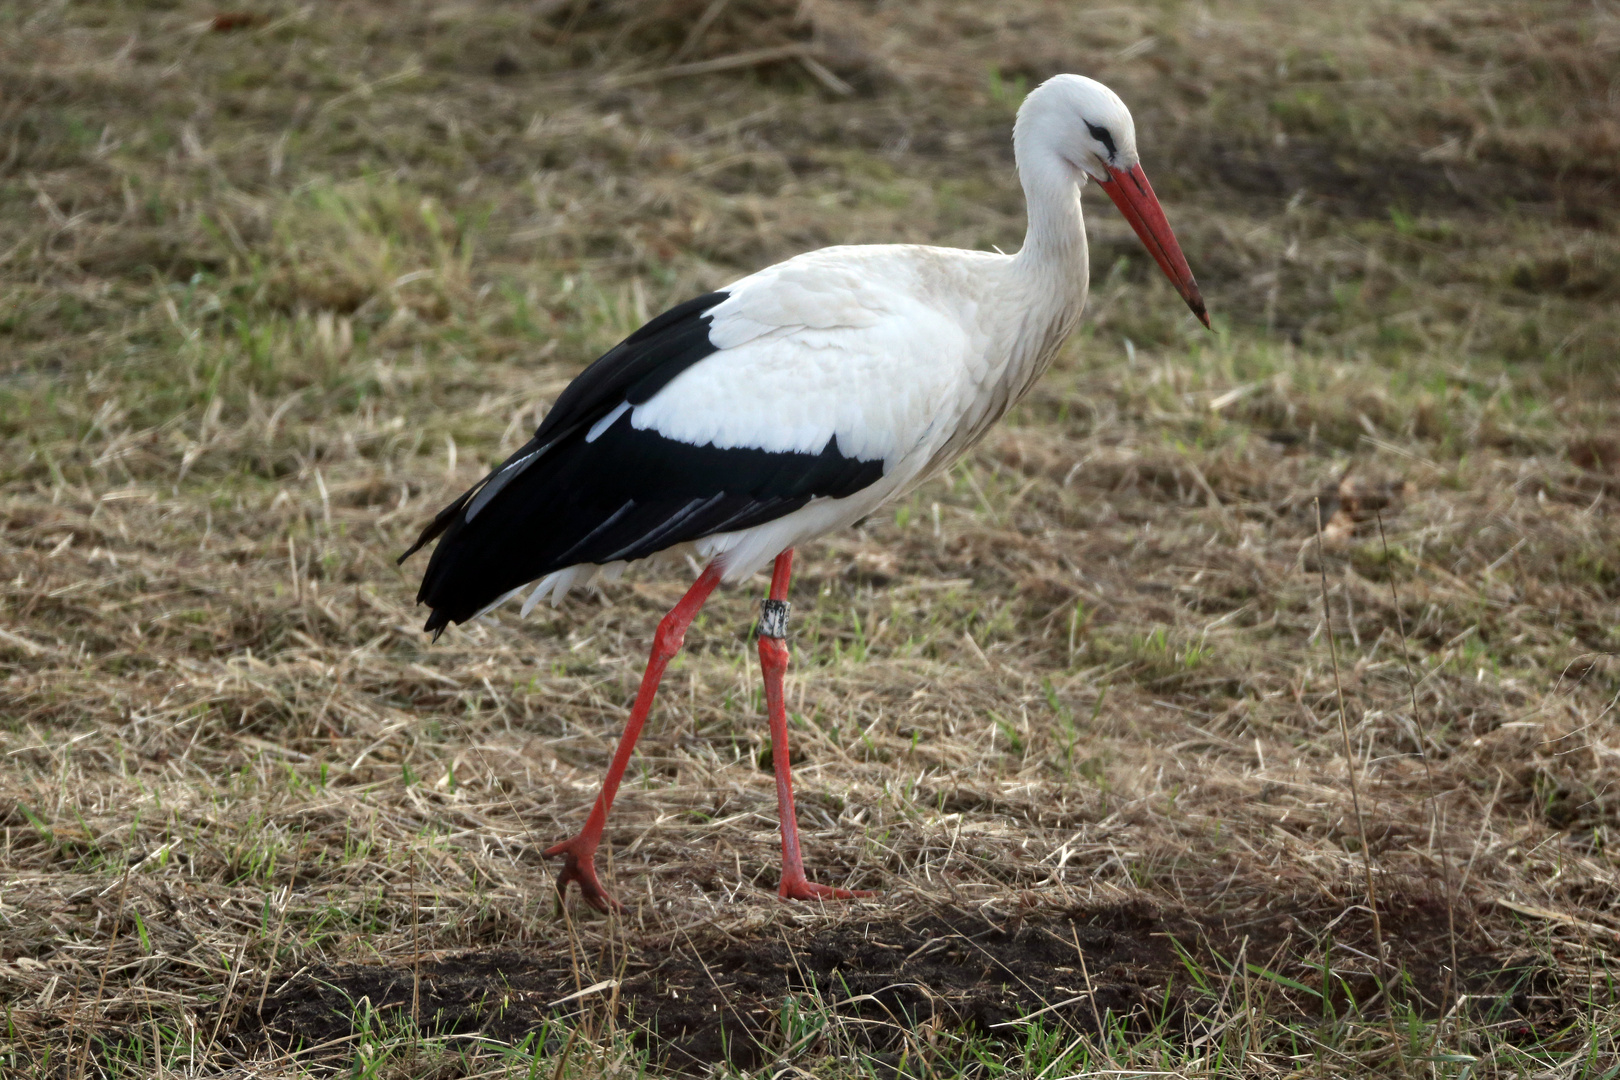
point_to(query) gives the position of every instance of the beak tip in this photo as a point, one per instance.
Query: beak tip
(1198, 309)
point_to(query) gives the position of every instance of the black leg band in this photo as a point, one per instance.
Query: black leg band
(773, 617)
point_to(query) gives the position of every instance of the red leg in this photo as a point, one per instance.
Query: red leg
(773, 661)
(580, 852)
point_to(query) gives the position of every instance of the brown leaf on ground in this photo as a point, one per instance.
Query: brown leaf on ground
(226, 21)
(1356, 503)
(1597, 453)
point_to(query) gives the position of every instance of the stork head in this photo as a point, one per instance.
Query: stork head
(1089, 129)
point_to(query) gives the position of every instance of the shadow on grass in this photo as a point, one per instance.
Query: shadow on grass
(691, 1001)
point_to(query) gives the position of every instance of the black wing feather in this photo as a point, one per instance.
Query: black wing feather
(626, 494)
(636, 368)
(633, 370)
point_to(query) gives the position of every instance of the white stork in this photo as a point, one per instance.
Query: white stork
(793, 402)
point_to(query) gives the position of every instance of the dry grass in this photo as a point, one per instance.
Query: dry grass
(278, 281)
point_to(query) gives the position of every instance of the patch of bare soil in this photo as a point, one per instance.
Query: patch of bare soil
(702, 998)
(1369, 184)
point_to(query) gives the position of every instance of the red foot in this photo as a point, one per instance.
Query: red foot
(802, 889)
(580, 865)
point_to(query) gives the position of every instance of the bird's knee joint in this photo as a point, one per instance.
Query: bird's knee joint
(668, 639)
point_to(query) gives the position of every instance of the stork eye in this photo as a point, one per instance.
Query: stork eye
(1102, 135)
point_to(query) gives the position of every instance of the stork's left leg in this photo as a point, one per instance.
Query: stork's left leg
(773, 661)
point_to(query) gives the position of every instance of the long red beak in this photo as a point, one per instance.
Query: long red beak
(1131, 192)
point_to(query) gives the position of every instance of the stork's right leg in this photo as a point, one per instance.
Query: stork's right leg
(580, 852)
(773, 662)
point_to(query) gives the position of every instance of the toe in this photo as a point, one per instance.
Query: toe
(580, 867)
(809, 890)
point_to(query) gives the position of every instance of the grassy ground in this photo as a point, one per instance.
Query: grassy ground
(277, 280)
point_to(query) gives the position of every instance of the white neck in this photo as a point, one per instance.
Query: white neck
(1055, 242)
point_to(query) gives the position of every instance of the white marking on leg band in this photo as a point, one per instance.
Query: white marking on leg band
(773, 618)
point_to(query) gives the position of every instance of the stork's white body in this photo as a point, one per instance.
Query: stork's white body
(906, 353)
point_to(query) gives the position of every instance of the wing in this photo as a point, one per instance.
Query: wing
(727, 412)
